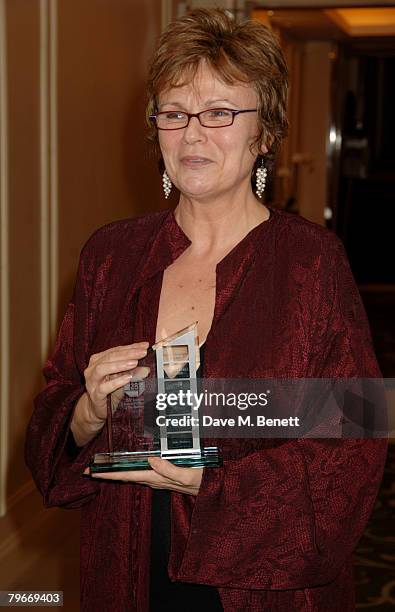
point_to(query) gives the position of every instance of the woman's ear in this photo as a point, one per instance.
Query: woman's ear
(267, 145)
(257, 151)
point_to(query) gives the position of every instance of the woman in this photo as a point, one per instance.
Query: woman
(274, 528)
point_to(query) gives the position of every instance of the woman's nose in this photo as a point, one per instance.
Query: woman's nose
(194, 132)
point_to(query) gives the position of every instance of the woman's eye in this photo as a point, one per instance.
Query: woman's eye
(174, 116)
(219, 113)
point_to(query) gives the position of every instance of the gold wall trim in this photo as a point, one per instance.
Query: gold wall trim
(49, 196)
(44, 182)
(4, 265)
(48, 174)
(54, 193)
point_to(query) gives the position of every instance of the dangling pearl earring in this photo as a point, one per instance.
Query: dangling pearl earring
(261, 174)
(167, 184)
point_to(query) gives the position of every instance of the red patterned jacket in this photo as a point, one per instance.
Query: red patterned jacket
(274, 529)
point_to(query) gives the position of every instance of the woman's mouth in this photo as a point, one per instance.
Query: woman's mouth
(195, 161)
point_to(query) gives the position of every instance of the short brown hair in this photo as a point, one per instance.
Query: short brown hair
(246, 52)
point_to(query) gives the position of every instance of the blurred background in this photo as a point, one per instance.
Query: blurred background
(74, 156)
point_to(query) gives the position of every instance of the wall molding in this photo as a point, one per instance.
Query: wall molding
(44, 182)
(53, 155)
(4, 265)
(49, 196)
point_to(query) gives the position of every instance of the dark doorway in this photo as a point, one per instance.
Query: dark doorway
(365, 206)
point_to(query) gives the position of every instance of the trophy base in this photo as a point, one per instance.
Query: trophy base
(125, 461)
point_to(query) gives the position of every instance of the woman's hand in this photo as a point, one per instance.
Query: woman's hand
(164, 475)
(107, 372)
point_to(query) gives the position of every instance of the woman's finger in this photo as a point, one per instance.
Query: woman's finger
(119, 368)
(185, 477)
(101, 373)
(140, 372)
(115, 381)
(133, 348)
(102, 370)
(126, 354)
(168, 470)
(106, 387)
(148, 478)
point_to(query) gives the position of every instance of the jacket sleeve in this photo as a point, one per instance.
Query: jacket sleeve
(289, 516)
(56, 468)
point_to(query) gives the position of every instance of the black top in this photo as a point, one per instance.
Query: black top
(165, 594)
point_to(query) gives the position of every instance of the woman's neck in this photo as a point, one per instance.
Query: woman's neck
(219, 225)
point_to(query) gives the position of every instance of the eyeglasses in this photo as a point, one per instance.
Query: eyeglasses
(212, 118)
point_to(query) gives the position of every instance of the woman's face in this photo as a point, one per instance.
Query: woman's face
(205, 162)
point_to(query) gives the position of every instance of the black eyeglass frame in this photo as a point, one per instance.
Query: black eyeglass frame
(152, 118)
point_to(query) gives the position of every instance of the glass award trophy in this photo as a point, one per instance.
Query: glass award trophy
(157, 415)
